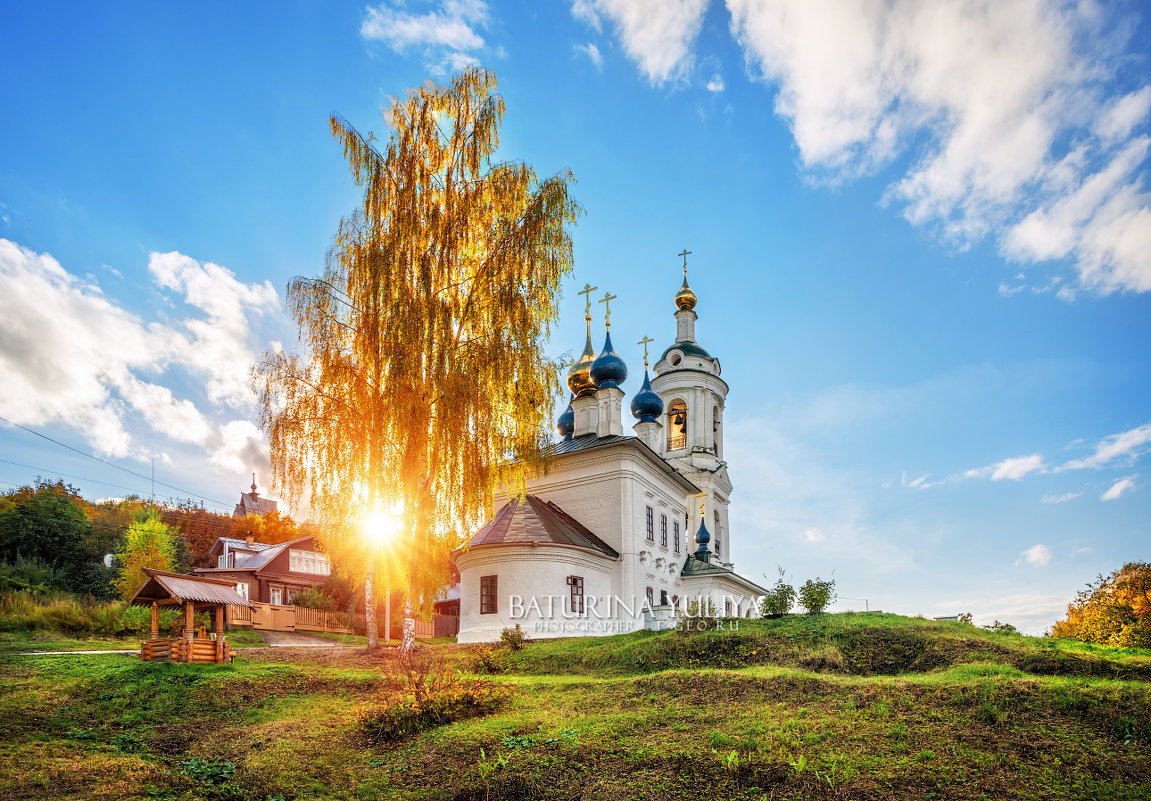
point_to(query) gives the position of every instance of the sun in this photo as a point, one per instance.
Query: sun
(379, 526)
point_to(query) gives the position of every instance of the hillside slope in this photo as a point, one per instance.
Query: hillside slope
(840, 706)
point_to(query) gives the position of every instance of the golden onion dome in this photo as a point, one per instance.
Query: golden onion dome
(685, 298)
(579, 376)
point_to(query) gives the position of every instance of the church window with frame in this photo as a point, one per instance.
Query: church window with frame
(488, 604)
(576, 583)
(675, 534)
(718, 552)
(650, 525)
(677, 426)
(727, 608)
(663, 530)
(650, 597)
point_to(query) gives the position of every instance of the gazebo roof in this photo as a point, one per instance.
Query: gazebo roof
(162, 586)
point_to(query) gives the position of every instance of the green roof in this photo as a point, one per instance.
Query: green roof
(689, 349)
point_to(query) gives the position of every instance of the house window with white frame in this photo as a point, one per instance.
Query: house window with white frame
(242, 589)
(312, 562)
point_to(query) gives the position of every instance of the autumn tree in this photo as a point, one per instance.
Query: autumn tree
(424, 385)
(147, 543)
(1113, 610)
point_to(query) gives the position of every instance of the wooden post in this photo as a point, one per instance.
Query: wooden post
(189, 627)
(220, 634)
(155, 620)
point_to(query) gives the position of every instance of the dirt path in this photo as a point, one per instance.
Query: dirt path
(293, 639)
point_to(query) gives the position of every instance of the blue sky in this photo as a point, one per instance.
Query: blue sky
(920, 235)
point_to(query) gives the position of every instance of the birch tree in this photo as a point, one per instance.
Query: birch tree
(423, 386)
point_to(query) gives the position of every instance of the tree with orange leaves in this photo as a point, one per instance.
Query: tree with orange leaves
(425, 385)
(1114, 610)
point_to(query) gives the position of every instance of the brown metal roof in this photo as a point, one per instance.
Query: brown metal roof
(538, 521)
(162, 586)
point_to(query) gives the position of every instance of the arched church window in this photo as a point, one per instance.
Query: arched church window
(716, 436)
(677, 426)
(718, 552)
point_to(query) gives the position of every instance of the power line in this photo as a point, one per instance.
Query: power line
(69, 475)
(116, 466)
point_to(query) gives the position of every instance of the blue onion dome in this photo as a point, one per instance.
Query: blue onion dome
(579, 376)
(608, 369)
(703, 537)
(646, 406)
(565, 425)
(685, 298)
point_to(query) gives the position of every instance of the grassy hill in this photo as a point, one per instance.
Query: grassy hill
(834, 706)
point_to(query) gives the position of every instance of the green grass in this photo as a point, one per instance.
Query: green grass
(899, 709)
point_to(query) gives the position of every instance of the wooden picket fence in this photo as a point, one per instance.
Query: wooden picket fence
(275, 617)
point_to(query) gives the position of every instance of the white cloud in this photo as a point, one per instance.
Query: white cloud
(814, 535)
(715, 84)
(1064, 498)
(1038, 555)
(1125, 446)
(592, 52)
(1080, 551)
(656, 35)
(918, 483)
(1119, 487)
(1014, 469)
(71, 356)
(217, 346)
(584, 10)
(1005, 108)
(447, 34)
(242, 448)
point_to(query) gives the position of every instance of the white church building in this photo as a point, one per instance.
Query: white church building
(624, 528)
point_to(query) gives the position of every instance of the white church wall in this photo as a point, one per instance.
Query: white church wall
(532, 590)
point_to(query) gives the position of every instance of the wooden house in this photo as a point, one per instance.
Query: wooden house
(269, 574)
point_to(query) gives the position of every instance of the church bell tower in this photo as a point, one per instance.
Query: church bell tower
(687, 380)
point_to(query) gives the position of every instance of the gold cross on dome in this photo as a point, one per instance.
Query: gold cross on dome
(646, 339)
(587, 290)
(701, 496)
(685, 253)
(606, 301)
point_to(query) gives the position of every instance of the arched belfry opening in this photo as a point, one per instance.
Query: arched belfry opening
(677, 425)
(716, 432)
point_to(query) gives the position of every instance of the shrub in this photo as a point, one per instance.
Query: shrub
(779, 598)
(70, 615)
(816, 595)
(1002, 628)
(424, 693)
(514, 639)
(486, 659)
(313, 598)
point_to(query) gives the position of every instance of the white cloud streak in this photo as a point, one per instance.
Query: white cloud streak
(1064, 498)
(1119, 487)
(1013, 469)
(592, 52)
(446, 35)
(1125, 447)
(656, 35)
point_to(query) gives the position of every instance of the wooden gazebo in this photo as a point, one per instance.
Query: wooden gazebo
(193, 593)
